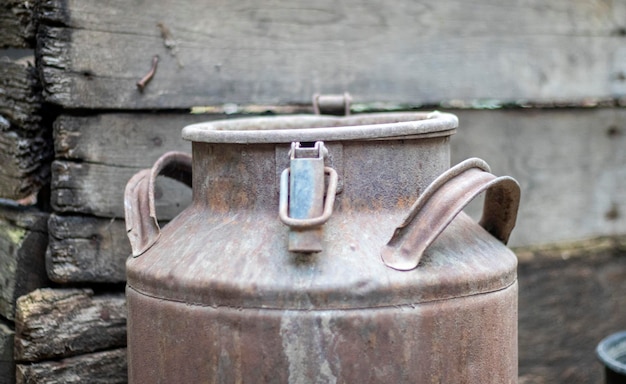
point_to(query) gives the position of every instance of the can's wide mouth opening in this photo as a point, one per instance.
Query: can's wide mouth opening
(612, 352)
(285, 129)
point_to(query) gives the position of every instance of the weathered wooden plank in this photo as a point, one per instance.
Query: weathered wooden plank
(570, 163)
(25, 162)
(7, 364)
(107, 367)
(23, 242)
(251, 52)
(25, 145)
(20, 99)
(569, 299)
(99, 190)
(571, 166)
(56, 323)
(125, 140)
(85, 249)
(17, 24)
(110, 149)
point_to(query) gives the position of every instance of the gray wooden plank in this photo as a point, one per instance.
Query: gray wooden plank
(250, 52)
(7, 364)
(23, 242)
(85, 249)
(24, 162)
(571, 165)
(125, 140)
(20, 99)
(57, 323)
(25, 144)
(98, 155)
(99, 190)
(107, 367)
(17, 24)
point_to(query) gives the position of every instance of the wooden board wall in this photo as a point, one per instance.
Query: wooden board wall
(570, 163)
(97, 155)
(25, 144)
(7, 364)
(45, 323)
(70, 335)
(23, 243)
(17, 23)
(85, 249)
(281, 52)
(91, 368)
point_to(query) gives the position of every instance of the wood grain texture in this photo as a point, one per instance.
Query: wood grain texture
(25, 144)
(20, 99)
(107, 367)
(570, 163)
(281, 52)
(23, 242)
(571, 166)
(57, 323)
(99, 154)
(24, 163)
(99, 190)
(85, 249)
(7, 364)
(17, 24)
(122, 139)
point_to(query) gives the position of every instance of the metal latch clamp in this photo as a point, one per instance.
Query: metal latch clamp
(301, 203)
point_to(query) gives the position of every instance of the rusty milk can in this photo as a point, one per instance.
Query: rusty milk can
(323, 249)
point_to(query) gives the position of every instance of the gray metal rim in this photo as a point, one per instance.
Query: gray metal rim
(285, 129)
(610, 349)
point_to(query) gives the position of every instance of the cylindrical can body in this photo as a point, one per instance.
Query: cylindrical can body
(219, 298)
(462, 340)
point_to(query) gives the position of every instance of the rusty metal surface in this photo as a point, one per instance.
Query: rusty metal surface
(443, 200)
(220, 298)
(464, 340)
(242, 242)
(142, 226)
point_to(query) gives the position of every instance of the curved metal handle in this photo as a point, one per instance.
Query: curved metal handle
(142, 226)
(443, 200)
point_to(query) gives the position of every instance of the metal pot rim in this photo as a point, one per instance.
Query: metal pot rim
(284, 129)
(610, 348)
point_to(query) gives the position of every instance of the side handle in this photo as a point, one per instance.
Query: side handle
(142, 226)
(443, 200)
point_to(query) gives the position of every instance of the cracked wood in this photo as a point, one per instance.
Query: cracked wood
(57, 323)
(247, 52)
